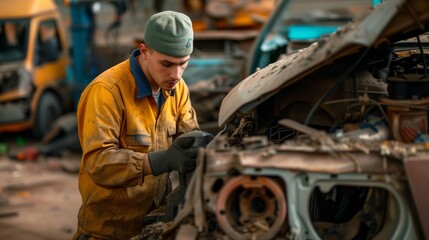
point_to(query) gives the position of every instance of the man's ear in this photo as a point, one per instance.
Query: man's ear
(143, 50)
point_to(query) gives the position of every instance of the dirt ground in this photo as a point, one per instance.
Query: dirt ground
(39, 199)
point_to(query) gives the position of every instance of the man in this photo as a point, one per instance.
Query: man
(128, 118)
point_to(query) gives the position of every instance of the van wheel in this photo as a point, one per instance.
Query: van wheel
(48, 111)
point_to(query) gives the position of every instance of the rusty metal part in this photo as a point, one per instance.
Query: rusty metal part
(408, 131)
(247, 125)
(417, 168)
(406, 124)
(322, 136)
(153, 231)
(300, 159)
(260, 204)
(261, 208)
(187, 232)
(407, 118)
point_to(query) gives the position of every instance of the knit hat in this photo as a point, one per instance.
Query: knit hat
(170, 33)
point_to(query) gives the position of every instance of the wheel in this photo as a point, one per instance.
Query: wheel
(251, 207)
(48, 111)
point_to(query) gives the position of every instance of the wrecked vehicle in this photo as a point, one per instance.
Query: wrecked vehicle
(328, 143)
(34, 86)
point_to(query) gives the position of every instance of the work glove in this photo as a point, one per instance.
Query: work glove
(180, 156)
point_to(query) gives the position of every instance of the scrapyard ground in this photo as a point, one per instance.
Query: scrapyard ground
(39, 199)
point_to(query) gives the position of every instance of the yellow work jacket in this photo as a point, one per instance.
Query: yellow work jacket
(119, 122)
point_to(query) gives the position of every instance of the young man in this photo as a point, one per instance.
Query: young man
(128, 118)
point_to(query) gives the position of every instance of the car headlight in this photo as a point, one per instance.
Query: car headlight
(13, 79)
(9, 80)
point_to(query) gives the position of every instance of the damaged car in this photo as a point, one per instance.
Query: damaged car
(330, 142)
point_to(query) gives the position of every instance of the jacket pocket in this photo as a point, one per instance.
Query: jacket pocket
(171, 132)
(139, 142)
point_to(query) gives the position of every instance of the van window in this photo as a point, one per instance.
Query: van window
(48, 47)
(13, 39)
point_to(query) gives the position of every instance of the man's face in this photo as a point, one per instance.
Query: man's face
(163, 70)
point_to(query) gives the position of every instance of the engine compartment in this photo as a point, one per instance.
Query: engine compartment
(385, 92)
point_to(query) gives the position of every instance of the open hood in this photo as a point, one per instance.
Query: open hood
(391, 21)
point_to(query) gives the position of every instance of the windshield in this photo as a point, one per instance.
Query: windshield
(13, 39)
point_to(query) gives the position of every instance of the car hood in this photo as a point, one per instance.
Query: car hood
(390, 21)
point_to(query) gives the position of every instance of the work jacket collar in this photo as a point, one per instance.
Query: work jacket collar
(143, 87)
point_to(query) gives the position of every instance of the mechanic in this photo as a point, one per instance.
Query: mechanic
(128, 117)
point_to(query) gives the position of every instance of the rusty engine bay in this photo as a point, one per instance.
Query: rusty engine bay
(328, 143)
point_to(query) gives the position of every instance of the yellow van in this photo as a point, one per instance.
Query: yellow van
(34, 90)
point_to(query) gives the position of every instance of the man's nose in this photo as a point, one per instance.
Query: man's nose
(176, 73)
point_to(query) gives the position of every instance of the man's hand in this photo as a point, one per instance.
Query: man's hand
(180, 156)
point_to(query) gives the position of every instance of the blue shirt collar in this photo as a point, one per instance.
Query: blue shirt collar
(143, 87)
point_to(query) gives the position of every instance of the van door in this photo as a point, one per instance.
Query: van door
(50, 60)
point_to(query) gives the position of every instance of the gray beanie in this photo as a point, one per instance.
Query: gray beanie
(170, 33)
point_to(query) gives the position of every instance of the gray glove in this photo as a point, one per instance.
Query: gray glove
(180, 156)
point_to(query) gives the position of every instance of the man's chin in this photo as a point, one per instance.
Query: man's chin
(169, 88)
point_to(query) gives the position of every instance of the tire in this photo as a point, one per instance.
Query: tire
(48, 111)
